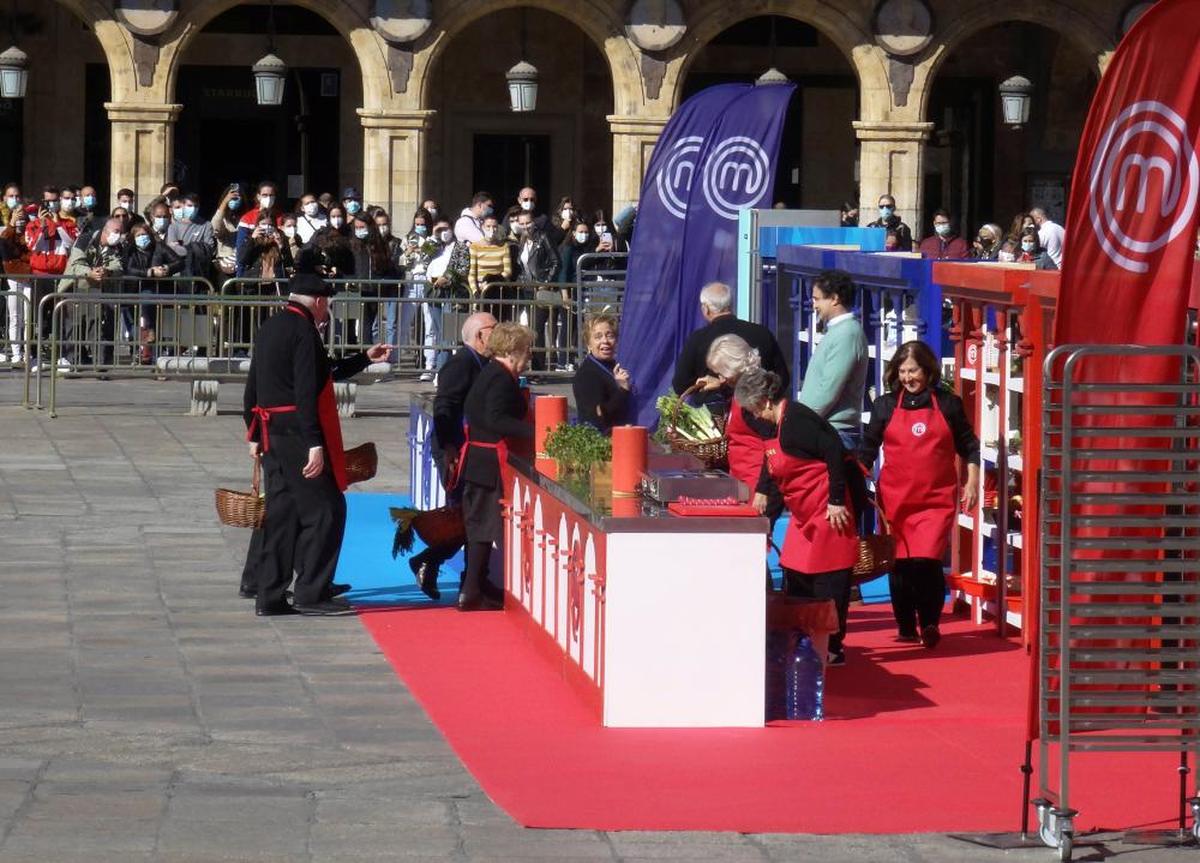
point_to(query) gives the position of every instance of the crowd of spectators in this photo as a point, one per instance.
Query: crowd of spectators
(251, 235)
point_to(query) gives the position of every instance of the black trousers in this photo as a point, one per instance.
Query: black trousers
(918, 587)
(485, 526)
(833, 585)
(306, 519)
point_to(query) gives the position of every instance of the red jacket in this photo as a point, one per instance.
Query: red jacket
(49, 242)
(950, 249)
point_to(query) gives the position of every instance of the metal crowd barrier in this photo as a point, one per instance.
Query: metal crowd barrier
(599, 285)
(1119, 665)
(17, 353)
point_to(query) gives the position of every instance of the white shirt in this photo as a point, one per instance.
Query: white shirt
(306, 227)
(837, 319)
(468, 229)
(1050, 238)
(437, 267)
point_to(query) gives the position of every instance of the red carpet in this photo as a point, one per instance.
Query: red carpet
(916, 740)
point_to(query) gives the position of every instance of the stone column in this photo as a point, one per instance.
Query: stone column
(143, 146)
(892, 161)
(633, 143)
(394, 160)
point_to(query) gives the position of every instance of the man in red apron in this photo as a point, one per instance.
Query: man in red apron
(921, 429)
(292, 422)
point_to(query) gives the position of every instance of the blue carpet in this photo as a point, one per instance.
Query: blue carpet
(366, 562)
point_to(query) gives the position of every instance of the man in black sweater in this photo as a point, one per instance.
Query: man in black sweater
(453, 383)
(716, 302)
(291, 420)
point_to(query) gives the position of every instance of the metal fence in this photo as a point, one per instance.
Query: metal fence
(1120, 592)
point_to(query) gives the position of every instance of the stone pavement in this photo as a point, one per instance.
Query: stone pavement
(146, 714)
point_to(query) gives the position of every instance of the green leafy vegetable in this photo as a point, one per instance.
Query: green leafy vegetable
(693, 423)
(578, 447)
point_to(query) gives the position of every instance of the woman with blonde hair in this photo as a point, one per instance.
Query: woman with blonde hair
(601, 385)
(495, 412)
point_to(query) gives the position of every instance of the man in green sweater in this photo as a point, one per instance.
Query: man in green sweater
(836, 379)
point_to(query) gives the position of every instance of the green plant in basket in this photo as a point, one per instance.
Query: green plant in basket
(577, 448)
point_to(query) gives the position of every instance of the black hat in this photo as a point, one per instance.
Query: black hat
(311, 285)
(351, 194)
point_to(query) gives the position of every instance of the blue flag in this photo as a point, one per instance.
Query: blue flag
(716, 156)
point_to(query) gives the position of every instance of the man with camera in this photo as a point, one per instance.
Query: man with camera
(49, 238)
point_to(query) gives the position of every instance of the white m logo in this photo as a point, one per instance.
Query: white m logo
(1144, 167)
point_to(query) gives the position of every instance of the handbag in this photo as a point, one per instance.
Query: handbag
(876, 553)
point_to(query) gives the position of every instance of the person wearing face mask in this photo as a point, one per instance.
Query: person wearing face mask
(166, 195)
(160, 222)
(417, 251)
(445, 278)
(921, 427)
(289, 227)
(371, 261)
(68, 203)
(889, 220)
(310, 218)
(1020, 222)
(352, 201)
(944, 244)
(292, 426)
(224, 229)
(560, 221)
(127, 199)
(268, 254)
(1031, 251)
(49, 239)
(576, 243)
(11, 202)
(432, 207)
(987, 243)
(148, 260)
(266, 203)
(469, 227)
(94, 267)
(537, 267)
(1008, 251)
(191, 238)
(491, 264)
(508, 228)
(527, 203)
(14, 255)
(86, 216)
(328, 253)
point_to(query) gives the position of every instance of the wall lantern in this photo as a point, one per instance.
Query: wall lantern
(522, 79)
(1015, 100)
(14, 73)
(270, 72)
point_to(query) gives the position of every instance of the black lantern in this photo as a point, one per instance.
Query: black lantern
(1016, 96)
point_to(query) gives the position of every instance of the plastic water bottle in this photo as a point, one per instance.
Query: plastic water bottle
(781, 644)
(805, 682)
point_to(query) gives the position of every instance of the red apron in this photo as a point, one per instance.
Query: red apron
(918, 482)
(501, 449)
(327, 417)
(811, 544)
(745, 448)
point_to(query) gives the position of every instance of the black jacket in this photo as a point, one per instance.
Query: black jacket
(966, 444)
(138, 262)
(904, 239)
(806, 434)
(693, 359)
(598, 399)
(289, 366)
(495, 409)
(454, 382)
(542, 265)
(251, 252)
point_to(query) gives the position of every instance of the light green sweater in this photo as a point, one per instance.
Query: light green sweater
(836, 379)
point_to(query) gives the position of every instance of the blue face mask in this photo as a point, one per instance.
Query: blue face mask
(189, 213)
(420, 230)
(143, 241)
(353, 207)
(362, 233)
(160, 223)
(89, 201)
(886, 212)
(235, 203)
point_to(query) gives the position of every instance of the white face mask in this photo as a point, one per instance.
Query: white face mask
(581, 237)
(1009, 257)
(567, 214)
(385, 230)
(600, 229)
(289, 231)
(311, 209)
(489, 233)
(337, 221)
(1028, 247)
(446, 236)
(12, 203)
(68, 205)
(114, 239)
(266, 201)
(361, 233)
(943, 229)
(527, 206)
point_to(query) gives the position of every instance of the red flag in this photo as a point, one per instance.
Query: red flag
(1131, 223)
(1129, 255)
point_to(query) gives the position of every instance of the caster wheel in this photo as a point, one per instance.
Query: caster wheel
(1065, 846)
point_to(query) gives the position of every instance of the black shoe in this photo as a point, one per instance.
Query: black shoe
(908, 638)
(336, 590)
(248, 592)
(930, 636)
(276, 610)
(480, 603)
(426, 575)
(325, 607)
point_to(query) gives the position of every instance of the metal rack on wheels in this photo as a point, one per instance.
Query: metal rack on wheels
(1119, 664)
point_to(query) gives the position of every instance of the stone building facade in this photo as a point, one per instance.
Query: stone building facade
(896, 95)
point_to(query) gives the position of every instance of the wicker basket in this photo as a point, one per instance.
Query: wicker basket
(361, 463)
(241, 508)
(714, 453)
(876, 553)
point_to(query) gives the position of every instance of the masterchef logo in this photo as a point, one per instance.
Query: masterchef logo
(918, 429)
(1143, 184)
